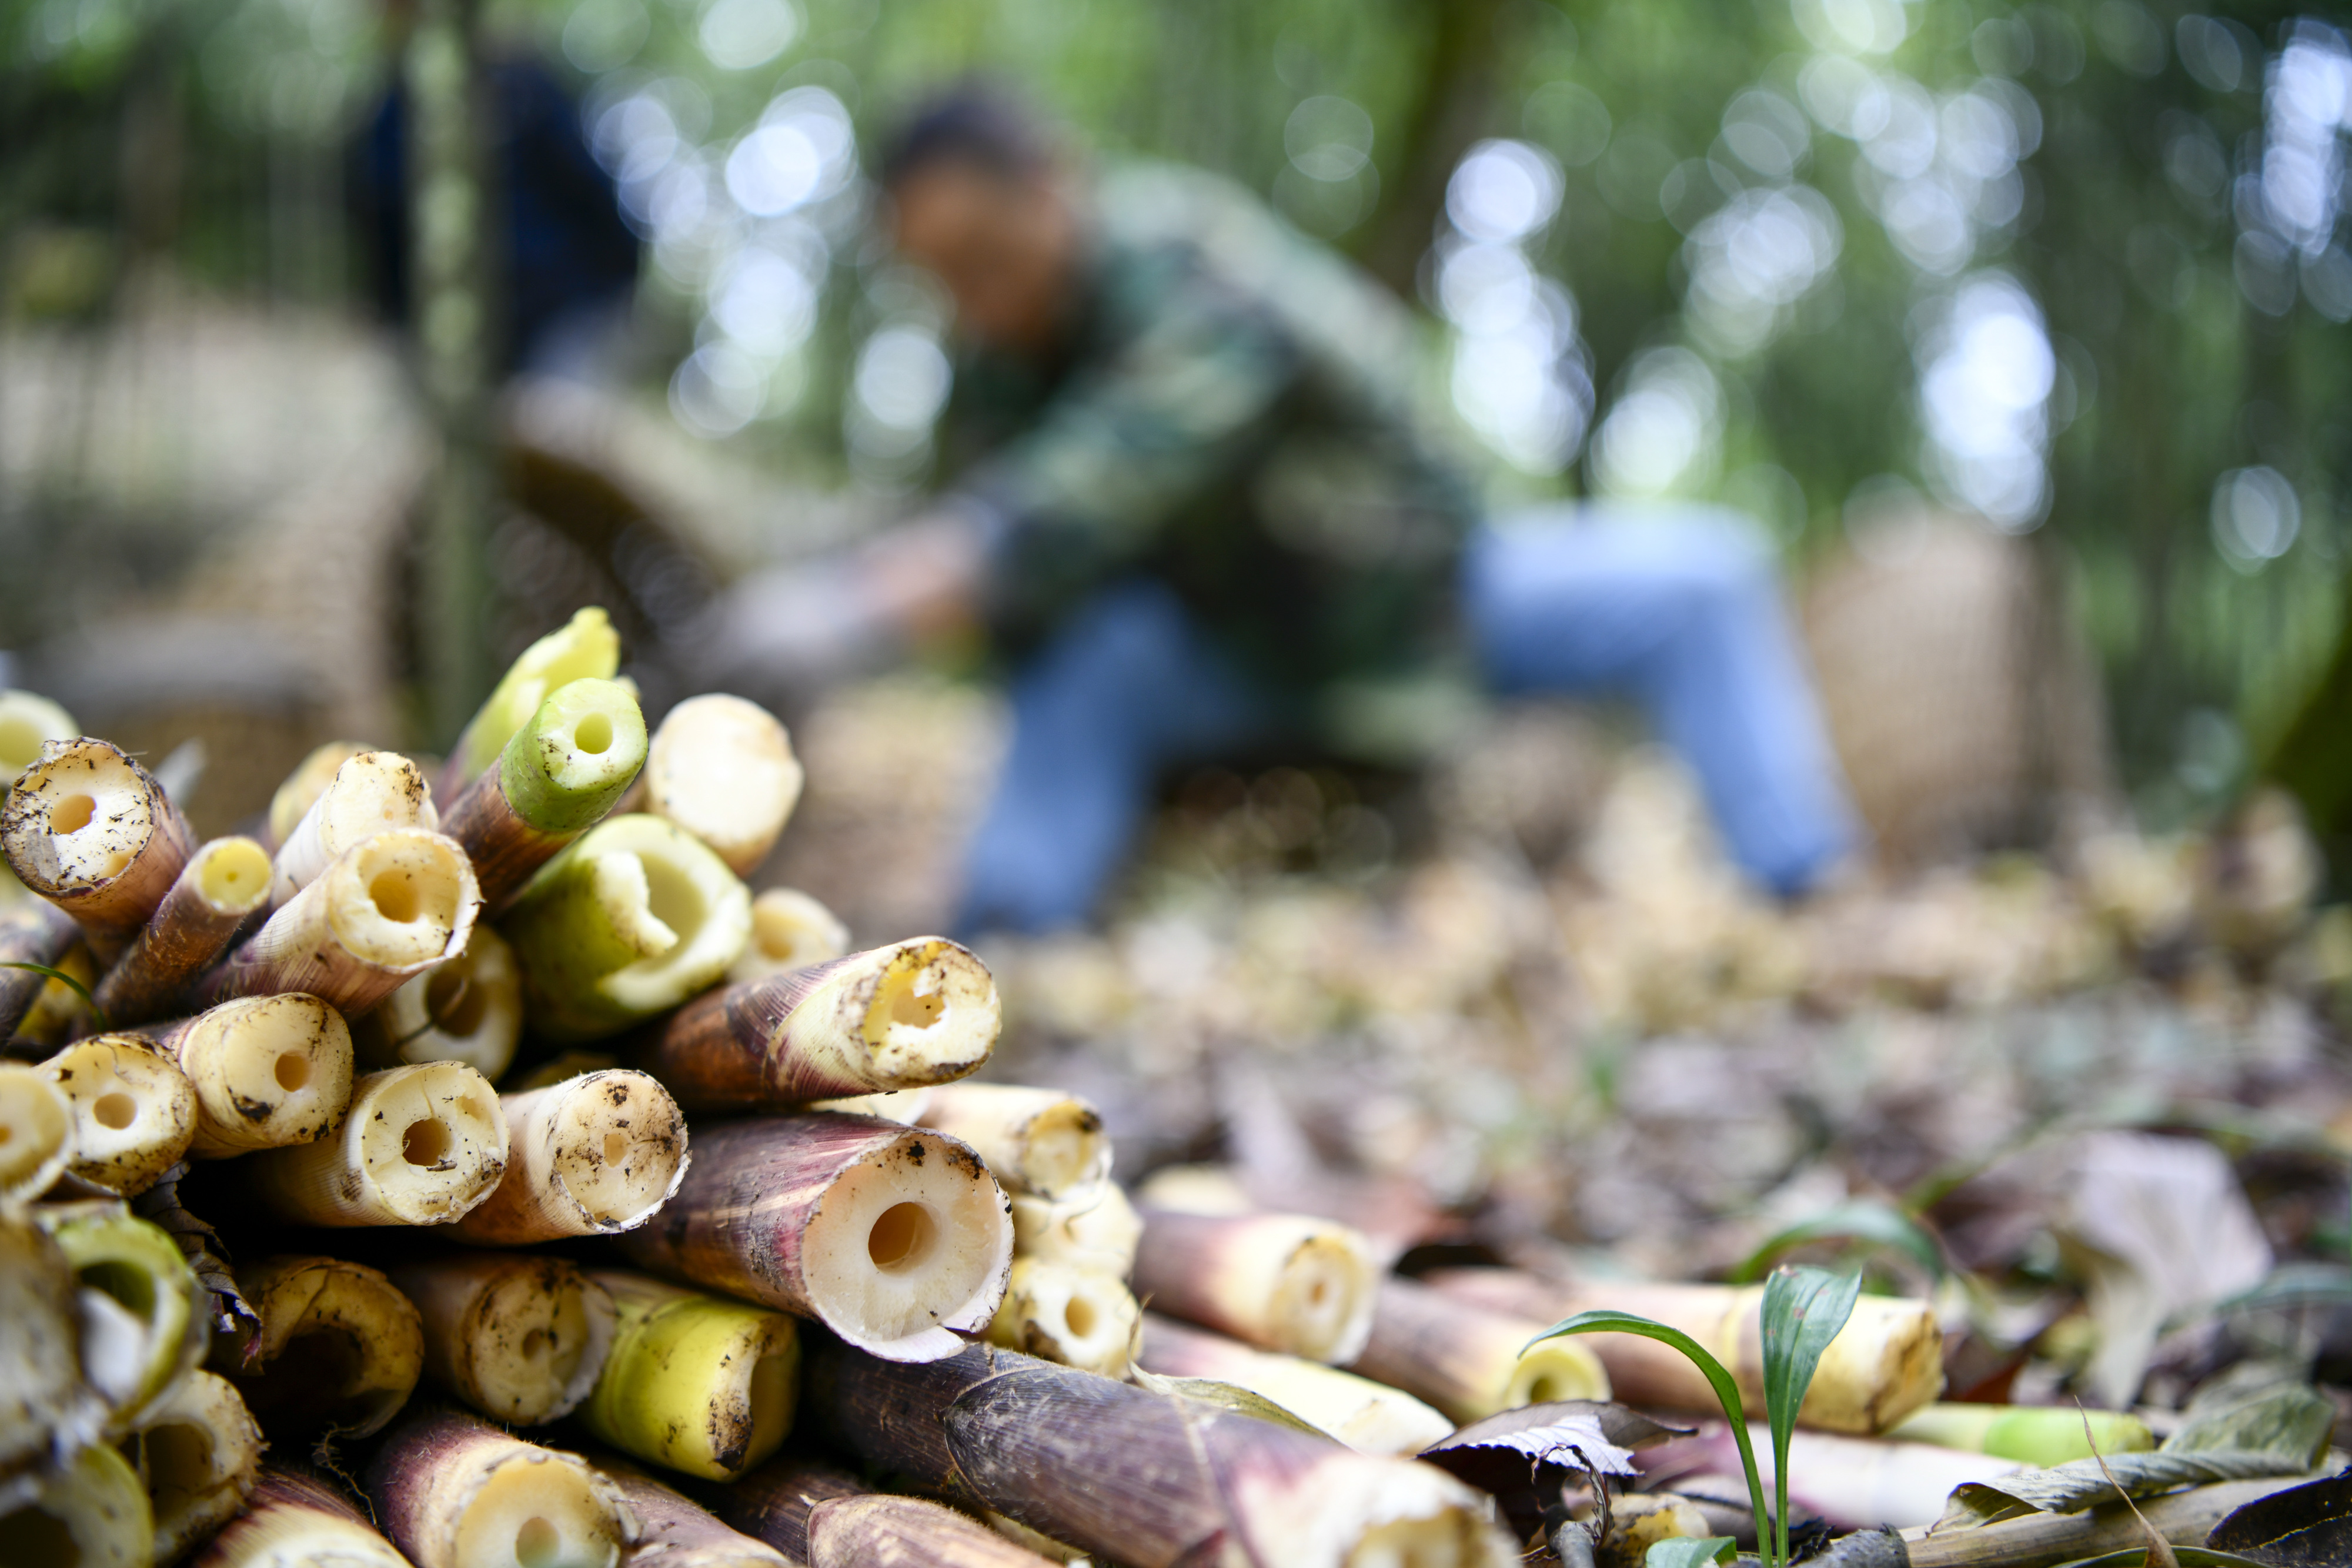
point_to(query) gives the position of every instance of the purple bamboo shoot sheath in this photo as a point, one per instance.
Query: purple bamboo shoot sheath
(223, 882)
(679, 1534)
(32, 932)
(900, 1016)
(454, 1491)
(894, 1238)
(772, 1503)
(392, 906)
(292, 1518)
(877, 1532)
(1289, 1283)
(1149, 1479)
(91, 831)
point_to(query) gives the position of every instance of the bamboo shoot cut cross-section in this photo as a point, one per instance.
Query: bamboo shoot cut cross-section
(420, 1146)
(1466, 1360)
(556, 779)
(454, 1491)
(903, 1017)
(466, 1008)
(392, 907)
(37, 1132)
(694, 1383)
(91, 1514)
(28, 723)
(371, 792)
(134, 1110)
(91, 831)
(593, 1155)
(1098, 1230)
(1036, 1141)
(295, 1521)
(269, 1071)
(145, 1317)
(303, 786)
(1280, 1281)
(522, 1339)
(338, 1346)
(894, 1238)
(1074, 1316)
(876, 1532)
(199, 1452)
(723, 769)
(224, 881)
(790, 930)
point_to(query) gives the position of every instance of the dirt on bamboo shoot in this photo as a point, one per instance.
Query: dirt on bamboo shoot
(454, 1491)
(694, 1383)
(420, 1146)
(223, 882)
(521, 1338)
(134, 1110)
(90, 830)
(1287, 1282)
(593, 1155)
(339, 1346)
(1039, 1142)
(268, 1072)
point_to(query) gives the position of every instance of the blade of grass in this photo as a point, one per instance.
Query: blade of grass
(1726, 1390)
(1878, 1223)
(2160, 1553)
(70, 983)
(1803, 1310)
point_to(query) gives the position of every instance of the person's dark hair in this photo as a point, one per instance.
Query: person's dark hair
(972, 122)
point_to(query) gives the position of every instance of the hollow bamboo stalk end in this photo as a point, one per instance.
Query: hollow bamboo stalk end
(790, 930)
(454, 1491)
(420, 1146)
(339, 1346)
(522, 1339)
(268, 1072)
(1286, 1282)
(722, 769)
(134, 1110)
(37, 1132)
(595, 1155)
(1036, 1141)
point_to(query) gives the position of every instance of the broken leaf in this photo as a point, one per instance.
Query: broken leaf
(1688, 1552)
(2307, 1526)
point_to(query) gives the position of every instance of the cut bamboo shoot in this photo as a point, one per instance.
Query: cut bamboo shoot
(877, 1532)
(223, 882)
(694, 1383)
(303, 786)
(199, 1453)
(44, 1408)
(629, 921)
(468, 1009)
(420, 1146)
(1145, 1478)
(37, 1132)
(1466, 1360)
(269, 1071)
(28, 723)
(556, 779)
(593, 1155)
(91, 1514)
(1369, 1417)
(1073, 1316)
(1036, 1141)
(145, 1320)
(790, 930)
(521, 1338)
(32, 931)
(586, 647)
(295, 1521)
(392, 907)
(134, 1110)
(454, 1491)
(339, 1347)
(91, 831)
(372, 792)
(1100, 1232)
(2040, 1435)
(773, 1502)
(675, 1533)
(894, 1238)
(1289, 1283)
(1885, 1363)
(2043, 1540)
(902, 1017)
(723, 769)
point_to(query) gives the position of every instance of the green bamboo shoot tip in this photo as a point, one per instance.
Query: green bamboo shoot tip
(582, 750)
(26, 723)
(585, 647)
(144, 1316)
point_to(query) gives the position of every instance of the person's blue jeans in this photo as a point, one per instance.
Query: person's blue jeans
(1678, 609)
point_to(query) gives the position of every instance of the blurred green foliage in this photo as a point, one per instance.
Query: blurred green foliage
(2077, 263)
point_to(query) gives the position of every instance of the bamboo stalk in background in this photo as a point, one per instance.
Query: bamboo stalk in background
(92, 1513)
(303, 786)
(790, 930)
(371, 792)
(583, 648)
(223, 882)
(522, 1339)
(556, 779)
(33, 931)
(773, 1501)
(675, 1533)
(630, 920)
(894, 1238)
(145, 1320)
(904, 1106)
(198, 1451)
(91, 831)
(420, 1146)
(1369, 1417)
(339, 1345)
(593, 1155)
(877, 1532)
(454, 1491)
(1101, 1234)
(1036, 1141)
(1144, 1478)
(902, 1017)
(1466, 1360)
(694, 1382)
(1853, 1483)
(44, 1404)
(1887, 1363)
(2035, 1434)
(294, 1522)
(1289, 1283)
(28, 723)
(392, 906)
(1074, 1316)
(467, 1009)
(268, 1072)
(134, 1110)
(723, 769)
(37, 1132)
